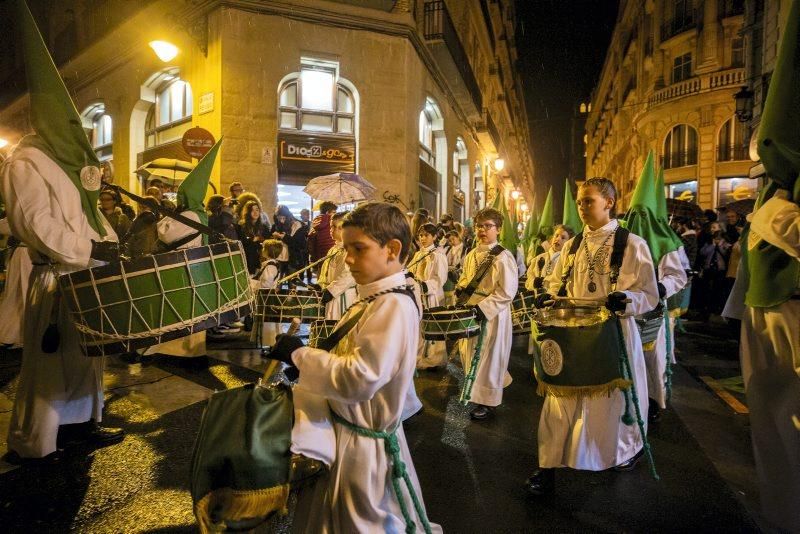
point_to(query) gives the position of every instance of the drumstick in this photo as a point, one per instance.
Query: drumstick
(294, 326)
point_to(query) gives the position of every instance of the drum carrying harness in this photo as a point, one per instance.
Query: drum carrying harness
(390, 442)
(630, 396)
(480, 272)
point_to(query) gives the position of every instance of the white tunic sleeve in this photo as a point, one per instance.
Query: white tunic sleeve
(170, 230)
(504, 273)
(671, 272)
(342, 279)
(28, 200)
(637, 277)
(376, 357)
(436, 274)
(778, 222)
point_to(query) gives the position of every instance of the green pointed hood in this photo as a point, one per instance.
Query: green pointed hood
(59, 130)
(571, 217)
(774, 275)
(192, 190)
(661, 197)
(547, 219)
(642, 219)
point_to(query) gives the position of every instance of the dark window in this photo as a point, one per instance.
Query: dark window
(682, 68)
(737, 52)
(680, 147)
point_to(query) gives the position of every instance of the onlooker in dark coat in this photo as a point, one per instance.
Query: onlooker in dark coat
(252, 232)
(220, 218)
(142, 238)
(319, 237)
(293, 233)
(118, 220)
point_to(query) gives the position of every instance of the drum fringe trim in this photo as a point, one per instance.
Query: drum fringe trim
(574, 392)
(86, 330)
(649, 346)
(235, 505)
(677, 312)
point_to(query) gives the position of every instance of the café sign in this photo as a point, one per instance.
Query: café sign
(315, 155)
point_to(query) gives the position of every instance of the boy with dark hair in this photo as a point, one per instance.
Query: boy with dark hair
(488, 284)
(429, 269)
(363, 381)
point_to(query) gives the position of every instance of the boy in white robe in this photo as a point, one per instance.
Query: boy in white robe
(491, 300)
(587, 432)
(335, 280)
(429, 268)
(365, 380)
(15, 290)
(455, 259)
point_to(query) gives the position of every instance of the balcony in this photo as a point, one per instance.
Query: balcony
(698, 84)
(676, 25)
(681, 158)
(733, 153)
(443, 41)
(488, 134)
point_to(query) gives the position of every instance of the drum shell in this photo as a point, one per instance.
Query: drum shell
(283, 305)
(440, 324)
(522, 312)
(649, 324)
(168, 296)
(321, 329)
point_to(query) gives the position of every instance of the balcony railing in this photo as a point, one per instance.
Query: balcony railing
(733, 153)
(730, 8)
(677, 25)
(683, 158)
(438, 26)
(698, 84)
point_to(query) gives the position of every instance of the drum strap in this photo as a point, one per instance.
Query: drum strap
(480, 273)
(617, 254)
(342, 329)
(175, 245)
(267, 263)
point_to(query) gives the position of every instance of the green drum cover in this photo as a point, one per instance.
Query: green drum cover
(579, 360)
(448, 286)
(680, 300)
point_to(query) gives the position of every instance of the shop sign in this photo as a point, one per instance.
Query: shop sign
(197, 142)
(206, 104)
(312, 155)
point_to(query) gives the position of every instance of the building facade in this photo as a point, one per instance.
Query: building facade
(419, 97)
(668, 85)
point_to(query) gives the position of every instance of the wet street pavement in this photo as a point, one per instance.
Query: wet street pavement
(471, 473)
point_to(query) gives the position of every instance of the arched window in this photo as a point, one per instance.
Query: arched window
(731, 144)
(169, 116)
(435, 165)
(460, 179)
(315, 100)
(99, 128)
(426, 136)
(680, 147)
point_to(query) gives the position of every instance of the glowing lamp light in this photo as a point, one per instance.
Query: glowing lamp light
(515, 194)
(524, 207)
(165, 51)
(499, 164)
(3, 143)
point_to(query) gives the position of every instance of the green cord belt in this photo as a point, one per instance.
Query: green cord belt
(398, 471)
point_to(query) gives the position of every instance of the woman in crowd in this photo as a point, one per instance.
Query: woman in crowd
(252, 232)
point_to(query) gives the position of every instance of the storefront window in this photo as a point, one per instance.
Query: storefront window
(733, 189)
(683, 191)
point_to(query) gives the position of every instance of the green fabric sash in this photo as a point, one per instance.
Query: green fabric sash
(579, 361)
(59, 130)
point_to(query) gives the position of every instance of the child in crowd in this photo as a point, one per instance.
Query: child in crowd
(488, 283)
(364, 380)
(335, 280)
(542, 265)
(265, 278)
(455, 257)
(429, 269)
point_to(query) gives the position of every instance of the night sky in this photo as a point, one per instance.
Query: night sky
(561, 46)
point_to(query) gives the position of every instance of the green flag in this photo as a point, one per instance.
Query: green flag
(59, 130)
(642, 220)
(661, 197)
(571, 217)
(773, 273)
(192, 190)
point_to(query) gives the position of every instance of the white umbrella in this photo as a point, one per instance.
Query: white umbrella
(340, 188)
(175, 169)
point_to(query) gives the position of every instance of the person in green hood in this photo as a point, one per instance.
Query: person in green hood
(50, 184)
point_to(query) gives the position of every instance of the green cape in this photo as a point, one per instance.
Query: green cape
(192, 190)
(59, 130)
(642, 218)
(774, 275)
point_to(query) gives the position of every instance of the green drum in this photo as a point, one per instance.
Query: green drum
(522, 312)
(128, 305)
(449, 286)
(678, 303)
(281, 305)
(439, 324)
(578, 352)
(321, 329)
(649, 324)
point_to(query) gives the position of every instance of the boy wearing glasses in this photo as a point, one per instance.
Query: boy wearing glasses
(488, 284)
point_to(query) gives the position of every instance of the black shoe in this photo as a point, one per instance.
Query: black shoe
(479, 412)
(654, 412)
(304, 470)
(89, 433)
(541, 482)
(628, 465)
(51, 459)
(102, 436)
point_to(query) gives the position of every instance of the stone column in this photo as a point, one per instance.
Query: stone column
(709, 60)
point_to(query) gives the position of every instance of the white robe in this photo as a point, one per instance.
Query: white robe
(587, 433)
(169, 231)
(673, 276)
(365, 381)
(65, 387)
(430, 266)
(493, 296)
(334, 275)
(455, 256)
(12, 301)
(269, 330)
(770, 355)
(534, 270)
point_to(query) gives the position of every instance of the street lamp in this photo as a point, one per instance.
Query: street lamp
(515, 194)
(3, 144)
(744, 104)
(165, 51)
(499, 164)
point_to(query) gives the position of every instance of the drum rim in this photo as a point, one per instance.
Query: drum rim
(431, 314)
